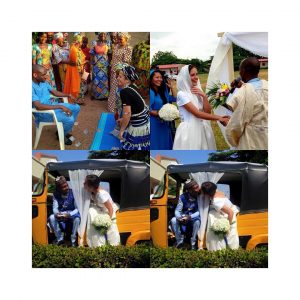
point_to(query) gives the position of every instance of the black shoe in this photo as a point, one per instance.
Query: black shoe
(68, 142)
(73, 245)
(180, 245)
(194, 247)
(61, 242)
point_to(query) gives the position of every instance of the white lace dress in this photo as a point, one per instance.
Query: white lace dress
(93, 236)
(215, 242)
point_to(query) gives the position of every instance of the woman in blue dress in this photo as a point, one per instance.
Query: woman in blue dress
(161, 131)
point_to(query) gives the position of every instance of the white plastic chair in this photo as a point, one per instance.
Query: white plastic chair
(39, 127)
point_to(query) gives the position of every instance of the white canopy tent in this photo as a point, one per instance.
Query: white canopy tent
(222, 70)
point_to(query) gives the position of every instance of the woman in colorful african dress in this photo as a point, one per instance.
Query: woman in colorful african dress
(74, 71)
(60, 59)
(41, 55)
(141, 62)
(135, 122)
(99, 62)
(85, 79)
(121, 54)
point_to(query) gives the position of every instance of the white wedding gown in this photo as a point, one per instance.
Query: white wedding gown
(192, 133)
(215, 242)
(93, 236)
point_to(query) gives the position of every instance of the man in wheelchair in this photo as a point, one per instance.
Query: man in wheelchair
(187, 216)
(65, 215)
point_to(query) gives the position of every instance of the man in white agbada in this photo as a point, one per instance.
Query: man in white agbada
(219, 207)
(101, 202)
(248, 126)
(194, 132)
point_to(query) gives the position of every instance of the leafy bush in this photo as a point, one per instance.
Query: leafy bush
(142, 256)
(51, 256)
(176, 258)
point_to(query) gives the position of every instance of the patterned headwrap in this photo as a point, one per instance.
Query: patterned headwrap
(77, 38)
(60, 180)
(189, 183)
(58, 35)
(124, 34)
(129, 71)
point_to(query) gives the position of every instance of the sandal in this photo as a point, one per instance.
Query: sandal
(80, 101)
(68, 135)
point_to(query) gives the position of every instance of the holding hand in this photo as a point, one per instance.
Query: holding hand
(63, 215)
(185, 218)
(224, 120)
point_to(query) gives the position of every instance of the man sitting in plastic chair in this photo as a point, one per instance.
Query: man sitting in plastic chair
(41, 100)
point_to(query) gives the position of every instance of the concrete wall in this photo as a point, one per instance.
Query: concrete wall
(157, 172)
(37, 168)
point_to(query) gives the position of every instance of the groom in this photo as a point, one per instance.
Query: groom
(65, 214)
(187, 214)
(248, 125)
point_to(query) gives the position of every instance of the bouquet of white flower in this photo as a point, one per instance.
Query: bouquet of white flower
(168, 112)
(220, 227)
(102, 222)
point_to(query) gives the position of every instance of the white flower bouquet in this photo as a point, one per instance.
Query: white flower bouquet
(102, 222)
(220, 227)
(168, 112)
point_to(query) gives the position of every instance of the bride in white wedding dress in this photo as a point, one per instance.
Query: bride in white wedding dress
(194, 132)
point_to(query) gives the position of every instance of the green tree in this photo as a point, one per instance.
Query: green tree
(239, 54)
(34, 37)
(164, 58)
(120, 154)
(254, 156)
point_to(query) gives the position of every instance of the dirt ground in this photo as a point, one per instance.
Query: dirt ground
(83, 132)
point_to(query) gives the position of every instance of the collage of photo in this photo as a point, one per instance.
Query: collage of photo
(149, 150)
